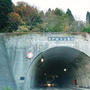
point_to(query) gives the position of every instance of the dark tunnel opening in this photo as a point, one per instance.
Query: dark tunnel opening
(60, 67)
(56, 74)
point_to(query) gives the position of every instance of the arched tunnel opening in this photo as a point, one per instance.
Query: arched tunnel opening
(62, 67)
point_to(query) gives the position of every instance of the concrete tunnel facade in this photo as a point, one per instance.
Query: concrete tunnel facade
(50, 60)
(59, 65)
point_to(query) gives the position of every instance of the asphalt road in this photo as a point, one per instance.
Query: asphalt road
(60, 89)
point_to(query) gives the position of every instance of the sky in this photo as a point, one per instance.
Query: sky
(79, 8)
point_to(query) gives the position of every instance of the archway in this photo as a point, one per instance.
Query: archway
(60, 67)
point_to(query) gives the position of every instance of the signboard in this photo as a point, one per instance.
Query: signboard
(61, 38)
(22, 78)
(29, 55)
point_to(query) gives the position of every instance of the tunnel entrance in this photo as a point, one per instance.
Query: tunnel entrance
(60, 67)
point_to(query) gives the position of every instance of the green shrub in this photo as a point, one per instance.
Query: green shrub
(86, 29)
(23, 28)
(4, 88)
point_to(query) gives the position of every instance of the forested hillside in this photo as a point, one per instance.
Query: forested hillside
(26, 18)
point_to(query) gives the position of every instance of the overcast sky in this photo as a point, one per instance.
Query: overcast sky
(79, 8)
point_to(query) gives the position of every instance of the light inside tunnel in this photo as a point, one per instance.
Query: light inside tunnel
(65, 70)
(60, 68)
(42, 60)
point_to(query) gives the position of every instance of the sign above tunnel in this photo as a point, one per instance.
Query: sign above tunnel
(61, 38)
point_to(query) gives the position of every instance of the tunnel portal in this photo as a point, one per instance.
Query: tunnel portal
(60, 67)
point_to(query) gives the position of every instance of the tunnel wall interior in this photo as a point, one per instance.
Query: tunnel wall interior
(59, 67)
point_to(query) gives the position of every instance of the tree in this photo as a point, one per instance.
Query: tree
(62, 24)
(88, 17)
(59, 12)
(25, 10)
(41, 14)
(14, 21)
(28, 13)
(71, 17)
(57, 23)
(34, 19)
(77, 26)
(48, 12)
(5, 8)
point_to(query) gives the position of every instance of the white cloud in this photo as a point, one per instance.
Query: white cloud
(79, 8)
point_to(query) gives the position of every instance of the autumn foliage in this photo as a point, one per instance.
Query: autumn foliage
(15, 18)
(23, 17)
